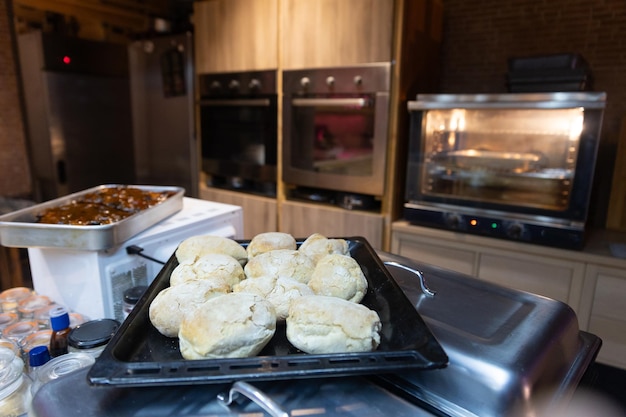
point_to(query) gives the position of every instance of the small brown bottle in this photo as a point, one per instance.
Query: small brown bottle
(60, 324)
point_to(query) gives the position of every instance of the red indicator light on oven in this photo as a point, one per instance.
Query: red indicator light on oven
(67, 60)
(473, 222)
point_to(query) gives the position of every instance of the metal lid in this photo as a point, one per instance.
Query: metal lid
(93, 333)
(132, 295)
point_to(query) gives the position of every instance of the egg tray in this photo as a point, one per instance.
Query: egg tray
(138, 355)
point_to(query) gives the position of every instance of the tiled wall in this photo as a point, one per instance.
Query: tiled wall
(480, 35)
(15, 178)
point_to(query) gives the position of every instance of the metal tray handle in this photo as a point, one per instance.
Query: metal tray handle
(419, 274)
(253, 394)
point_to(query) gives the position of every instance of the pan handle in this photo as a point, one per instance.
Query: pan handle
(253, 394)
(419, 274)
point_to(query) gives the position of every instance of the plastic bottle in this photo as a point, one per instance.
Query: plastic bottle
(37, 357)
(60, 325)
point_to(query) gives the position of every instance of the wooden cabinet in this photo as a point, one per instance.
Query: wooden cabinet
(606, 308)
(304, 219)
(235, 35)
(324, 33)
(454, 256)
(551, 277)
(259, 213)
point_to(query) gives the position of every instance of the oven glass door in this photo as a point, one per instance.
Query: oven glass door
(334, 135)
(238, 138)
(523, 157)
(534, 161)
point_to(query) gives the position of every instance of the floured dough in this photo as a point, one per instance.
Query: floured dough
(279, 292)
(212, 266)
(171, 304)
(316, 246)
(235, 325)
(281, 263)
(265, 242)
(318, 324)
(194, 247)
(339, 276)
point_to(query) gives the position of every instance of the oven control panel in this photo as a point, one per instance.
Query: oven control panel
(492, 225)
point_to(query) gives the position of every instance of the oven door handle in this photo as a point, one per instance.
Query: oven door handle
(330, 102)
(253, 102)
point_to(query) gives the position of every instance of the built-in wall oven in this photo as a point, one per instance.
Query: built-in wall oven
(335, 127)
(238, 130)
(513, 166)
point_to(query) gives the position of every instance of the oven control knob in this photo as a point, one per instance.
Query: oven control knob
(233, 85)
(515, 230)
(215, 85)
(453, 221)
(358, 80)
(305, 82)
(254, 84)
(330, 81)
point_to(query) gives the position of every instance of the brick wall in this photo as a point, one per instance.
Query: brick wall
(15, 180)
(480, 35)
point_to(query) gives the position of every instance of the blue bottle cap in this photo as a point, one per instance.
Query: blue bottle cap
(38, 355)
(59, 319)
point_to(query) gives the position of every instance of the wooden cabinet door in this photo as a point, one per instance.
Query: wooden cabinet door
(606, 288)
(235, 35)
(554, 278)
(326, 33)
(303, 219)
(259, 213)
(423, 249)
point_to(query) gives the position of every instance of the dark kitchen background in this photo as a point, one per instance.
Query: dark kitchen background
(479, 38)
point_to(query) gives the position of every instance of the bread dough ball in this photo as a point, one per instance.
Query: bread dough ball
(318, 324)
(317, 246)
(172, 304)
(195, 247)
(265, 242)
(281, 263)
(235, 325)
(212, 266)
(339, 276)
(279, 292)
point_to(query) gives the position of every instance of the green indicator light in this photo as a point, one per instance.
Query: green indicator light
(494, 225)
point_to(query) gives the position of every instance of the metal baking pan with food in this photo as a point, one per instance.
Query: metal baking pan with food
(21, 229)
(139, 355)
(511, 353)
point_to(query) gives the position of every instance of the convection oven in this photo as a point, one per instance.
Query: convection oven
(238, 130)
(514, 166)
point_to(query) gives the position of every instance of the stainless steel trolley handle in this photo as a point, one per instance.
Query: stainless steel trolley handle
(253, 394)
(330, 102)
(419, 274)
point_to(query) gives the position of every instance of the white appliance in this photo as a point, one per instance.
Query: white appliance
(93, 282)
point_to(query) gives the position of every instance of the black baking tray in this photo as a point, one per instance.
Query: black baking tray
(138, 355)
